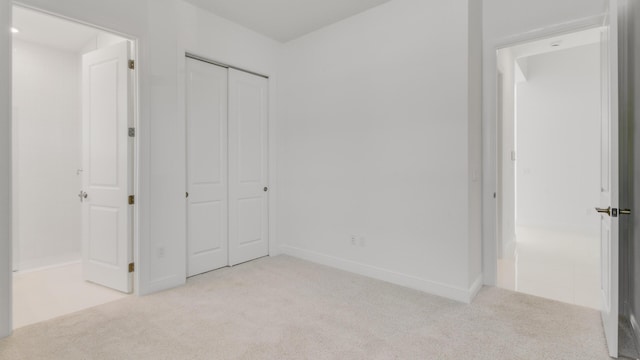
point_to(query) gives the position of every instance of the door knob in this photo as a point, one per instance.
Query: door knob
(604, 211)
(82, 195)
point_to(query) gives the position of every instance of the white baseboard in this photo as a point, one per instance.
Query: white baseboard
(48, 267)
(431, 287)
(475, 288)
(161, 284)
(636, 328)
(47, 262)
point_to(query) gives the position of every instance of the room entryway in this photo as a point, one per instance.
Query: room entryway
(73, 166)
(550, 124)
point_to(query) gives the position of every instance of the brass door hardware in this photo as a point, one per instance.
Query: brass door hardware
(613, 212)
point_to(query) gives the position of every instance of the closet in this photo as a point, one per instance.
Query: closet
(227, 166)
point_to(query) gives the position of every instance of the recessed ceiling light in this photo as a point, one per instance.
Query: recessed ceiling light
(14, 30)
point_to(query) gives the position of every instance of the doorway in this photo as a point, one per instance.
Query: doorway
(65, 154)
(549, 122)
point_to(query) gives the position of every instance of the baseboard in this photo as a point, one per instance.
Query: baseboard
(161, 284)
(48, 267)
(636, 329)
(428, 286)
(47, 262)
(475, 288)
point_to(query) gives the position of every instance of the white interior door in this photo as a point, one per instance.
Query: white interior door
(248, 187)
(207, 158)
(106, 214)
(609, 179)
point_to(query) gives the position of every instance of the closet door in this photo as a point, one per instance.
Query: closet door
(207, 216)
(248, 187)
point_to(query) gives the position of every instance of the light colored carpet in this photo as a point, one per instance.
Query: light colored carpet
(285, 308)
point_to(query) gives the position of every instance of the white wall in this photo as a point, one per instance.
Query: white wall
(374, 141)
(474, 134)
(5, 168)
(558, 116)
(101, 40)
(46, 151)
(506, 22)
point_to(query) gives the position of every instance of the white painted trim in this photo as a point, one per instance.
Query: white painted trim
(161, 284)
(475, 288)
(431, 287)
(15, 189)
(49, 267)
(551, 31)
(489, 129)
(635, 328)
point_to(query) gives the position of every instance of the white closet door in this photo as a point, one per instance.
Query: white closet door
(106, 214)
(207, 156)
(248, 122)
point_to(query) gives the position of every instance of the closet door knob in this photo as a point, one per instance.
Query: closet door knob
(266, 189)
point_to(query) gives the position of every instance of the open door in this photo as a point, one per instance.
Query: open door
(106, 213)
(609, 179)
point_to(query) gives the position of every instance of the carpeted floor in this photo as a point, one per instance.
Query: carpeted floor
(285, 308)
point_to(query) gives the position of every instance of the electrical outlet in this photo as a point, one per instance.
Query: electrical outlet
(160, 251)
(354, 240)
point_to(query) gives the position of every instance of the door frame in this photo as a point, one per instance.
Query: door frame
(491, 138)
(183, 55)
(135, 156)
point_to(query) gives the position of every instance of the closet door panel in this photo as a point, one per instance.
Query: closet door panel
(248, 167)
(207, 158)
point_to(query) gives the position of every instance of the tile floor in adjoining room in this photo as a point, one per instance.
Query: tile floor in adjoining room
(553, 264)
(47, 293)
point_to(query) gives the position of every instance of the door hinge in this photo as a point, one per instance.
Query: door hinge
(132, 267)
(132, 199)
(132, 64)
(132, 132)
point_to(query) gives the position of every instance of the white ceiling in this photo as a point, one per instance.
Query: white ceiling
(48, 30)
(285, 20)
(568, 41)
